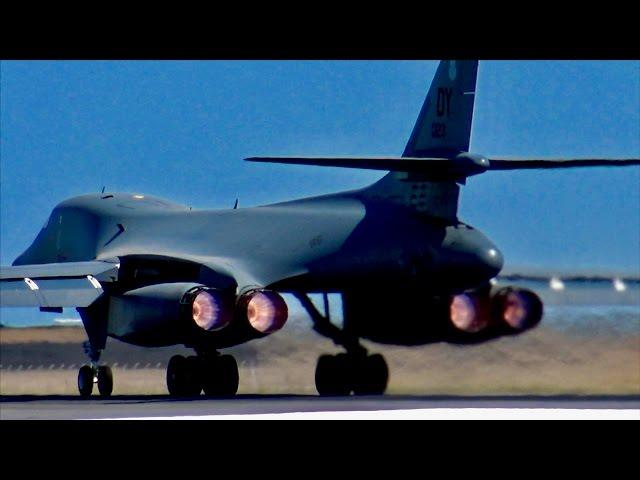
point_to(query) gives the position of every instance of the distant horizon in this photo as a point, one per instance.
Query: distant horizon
(575, 299)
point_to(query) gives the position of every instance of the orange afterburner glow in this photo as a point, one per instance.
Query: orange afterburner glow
(207, 312)
(515, 310)
(520, 310)
(467, 313)
(266, 311)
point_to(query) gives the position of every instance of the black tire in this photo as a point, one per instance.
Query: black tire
(346, 365)
(371, 375)
(220, 376)
(176, 376)
(193, 376)
(105, 381)
(210, 377)
(332, 375)
(85, 381)
(230, 378)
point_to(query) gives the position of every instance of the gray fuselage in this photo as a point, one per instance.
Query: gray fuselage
(327, 243)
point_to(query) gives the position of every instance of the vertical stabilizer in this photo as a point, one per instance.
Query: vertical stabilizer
(443, 127)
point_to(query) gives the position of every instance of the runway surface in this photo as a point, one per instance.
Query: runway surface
(289, 406)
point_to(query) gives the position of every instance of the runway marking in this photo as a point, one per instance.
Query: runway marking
(425, 414)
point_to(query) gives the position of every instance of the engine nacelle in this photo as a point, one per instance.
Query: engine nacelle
(508, 308)
(264, 310)
(154, 315)
(400, 316)
(409, 317)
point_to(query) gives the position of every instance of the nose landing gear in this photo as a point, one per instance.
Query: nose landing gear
(85, 381)
(88, 375)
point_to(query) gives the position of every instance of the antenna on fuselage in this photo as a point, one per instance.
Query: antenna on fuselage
(102, 189)
(235, 205)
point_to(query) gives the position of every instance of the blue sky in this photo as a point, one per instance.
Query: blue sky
(181, 129)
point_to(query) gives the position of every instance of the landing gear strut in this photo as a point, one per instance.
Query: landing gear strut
(216, 374)
(354, 371)
(95, 323)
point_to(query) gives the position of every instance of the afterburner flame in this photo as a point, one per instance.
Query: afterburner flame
(466, 314)
(518, 309)
(266, 311)
(515, 311)
(207, 311)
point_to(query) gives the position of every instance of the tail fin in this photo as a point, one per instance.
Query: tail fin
(422, 179)
(443, 128)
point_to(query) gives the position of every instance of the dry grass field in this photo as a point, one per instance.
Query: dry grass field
(543, 361)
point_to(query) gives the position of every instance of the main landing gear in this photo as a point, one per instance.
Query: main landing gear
(354, 371)
(344, 373)
(216, 374)
(88, 375)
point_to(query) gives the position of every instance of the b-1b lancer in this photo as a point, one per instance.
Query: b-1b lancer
(150, 272)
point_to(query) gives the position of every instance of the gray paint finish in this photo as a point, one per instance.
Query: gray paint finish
(401, 234)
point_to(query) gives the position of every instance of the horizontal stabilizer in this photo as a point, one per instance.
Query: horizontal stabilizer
(532, 163)
(406, 164)
(463, 165)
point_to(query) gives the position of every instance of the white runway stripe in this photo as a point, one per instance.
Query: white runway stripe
(426, 414)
